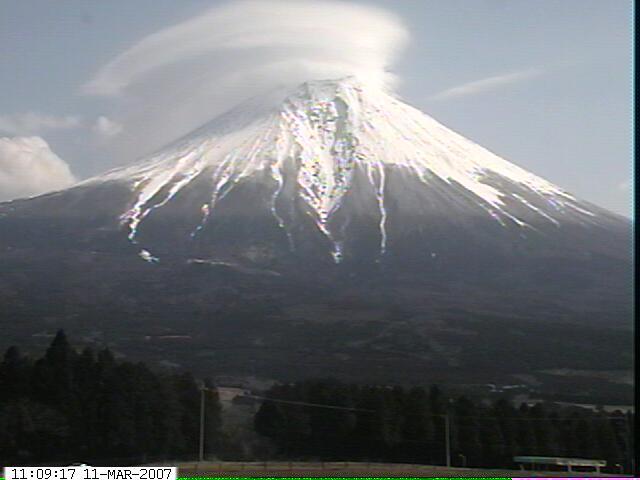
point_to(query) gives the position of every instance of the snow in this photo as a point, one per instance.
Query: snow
(147, 257)
(322, 134)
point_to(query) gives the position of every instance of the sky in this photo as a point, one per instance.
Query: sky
(89, 85)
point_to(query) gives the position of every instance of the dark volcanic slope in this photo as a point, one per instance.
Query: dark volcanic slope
(476, 311)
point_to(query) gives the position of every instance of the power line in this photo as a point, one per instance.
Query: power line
(318, 405)
(338, 407)
(548, 419)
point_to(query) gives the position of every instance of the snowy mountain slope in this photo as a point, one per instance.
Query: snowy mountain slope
(332, 143)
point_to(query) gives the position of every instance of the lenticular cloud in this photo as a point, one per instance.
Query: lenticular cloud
(182, 76)
(308, 39)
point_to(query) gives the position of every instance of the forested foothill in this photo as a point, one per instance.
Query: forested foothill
(395, 424)
(86, 405)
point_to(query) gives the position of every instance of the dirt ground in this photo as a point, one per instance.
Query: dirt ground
(353, 469)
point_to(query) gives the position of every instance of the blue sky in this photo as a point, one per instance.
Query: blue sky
(544, 84)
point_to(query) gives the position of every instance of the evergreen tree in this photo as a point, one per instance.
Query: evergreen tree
(438, 405)
(507, 417)
(14, 374)
(608, 447)
(270, 422)
(188, 396)
(83, 419)
(437, 401)
(330, 429)
(525, 434)
(466, 421)
(586, 439)
(492, 442)
(417, 428)
(371, 432)
(213, 421)
(67, 406)
(544, 431)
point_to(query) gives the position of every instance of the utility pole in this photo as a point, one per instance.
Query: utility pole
(630, 448)
(447, 438)
(201, 452)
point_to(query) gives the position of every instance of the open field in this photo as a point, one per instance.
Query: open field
(353, 469)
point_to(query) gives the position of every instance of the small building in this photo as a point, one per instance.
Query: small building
(531, 462)
(228, 394)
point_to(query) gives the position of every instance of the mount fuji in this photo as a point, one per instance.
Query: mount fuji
(324, 226)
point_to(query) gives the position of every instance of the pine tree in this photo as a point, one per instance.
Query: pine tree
(85, 390)
(417, 428)
(608, 447)
(466, 423)
(188, 395)
(544, 431)
(493, 443)
(213, 421)
(270, 421)
(438, 406)
(14, 374)
(330, 429)
(58, 364)
(371, 431)
(437, 400)
(586, 438)
(525, 435)
(507, 417)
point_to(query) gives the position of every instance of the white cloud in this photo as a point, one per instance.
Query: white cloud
(176, 79)
(33, 122)
(28, 167)
(487, 84)
(106, 127)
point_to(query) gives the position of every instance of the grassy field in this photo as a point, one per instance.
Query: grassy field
(352, 469)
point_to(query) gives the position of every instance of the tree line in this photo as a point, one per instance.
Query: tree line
(86, 406)
(70, 406)
(394, 424)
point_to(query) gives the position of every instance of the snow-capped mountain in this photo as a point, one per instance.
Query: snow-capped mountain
(293, 205)
(339, 153)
